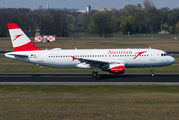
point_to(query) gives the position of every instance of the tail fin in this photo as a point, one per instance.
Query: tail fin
(19, 39)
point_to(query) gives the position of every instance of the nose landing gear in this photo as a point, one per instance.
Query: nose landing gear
(152, 74)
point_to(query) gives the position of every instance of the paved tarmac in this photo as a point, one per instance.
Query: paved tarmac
(87, 79)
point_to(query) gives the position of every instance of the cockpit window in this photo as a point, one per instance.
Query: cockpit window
(164, 54)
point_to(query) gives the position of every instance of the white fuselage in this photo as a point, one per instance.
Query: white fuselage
(63, 58)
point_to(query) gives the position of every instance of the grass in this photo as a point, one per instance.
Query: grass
(97, 43)
(135, 35)
(8, 65)
(89, 102)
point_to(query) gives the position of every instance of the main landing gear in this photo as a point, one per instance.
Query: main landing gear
(151, 69)
(94, 74)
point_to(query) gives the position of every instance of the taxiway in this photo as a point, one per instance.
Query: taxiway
(87, 79)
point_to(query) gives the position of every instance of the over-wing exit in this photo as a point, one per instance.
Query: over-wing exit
(110, 60)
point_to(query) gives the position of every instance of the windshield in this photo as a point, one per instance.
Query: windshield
(164, 54)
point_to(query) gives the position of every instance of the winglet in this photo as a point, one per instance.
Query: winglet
(74, 58)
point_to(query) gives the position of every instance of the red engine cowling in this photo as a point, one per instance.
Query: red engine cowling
(116, 68)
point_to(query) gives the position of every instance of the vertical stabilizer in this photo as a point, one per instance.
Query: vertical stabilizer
(19, 39)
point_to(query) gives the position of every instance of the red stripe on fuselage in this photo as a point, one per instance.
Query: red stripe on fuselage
(12, 26)
(139, 53)
(27, 47)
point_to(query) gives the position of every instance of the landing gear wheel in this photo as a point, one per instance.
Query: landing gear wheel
(94, 74)
(152, 74)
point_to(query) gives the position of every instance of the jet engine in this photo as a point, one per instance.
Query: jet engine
(116, 68)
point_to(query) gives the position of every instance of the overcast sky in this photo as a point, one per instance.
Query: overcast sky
(81, 4)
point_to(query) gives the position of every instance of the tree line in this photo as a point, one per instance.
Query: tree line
(132, 19)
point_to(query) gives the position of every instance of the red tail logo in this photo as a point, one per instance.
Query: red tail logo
(139, 53)
(17, 36)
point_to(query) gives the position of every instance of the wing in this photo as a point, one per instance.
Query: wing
(95, 63)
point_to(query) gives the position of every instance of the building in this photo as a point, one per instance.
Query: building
(40, 7)
(82, 11)
(88, 8)
(104, 9)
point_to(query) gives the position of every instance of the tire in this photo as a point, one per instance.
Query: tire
(152, 74)
(94, 74)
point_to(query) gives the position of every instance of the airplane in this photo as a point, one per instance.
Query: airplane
(110, 60)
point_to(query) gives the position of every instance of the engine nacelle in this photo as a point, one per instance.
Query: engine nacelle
(117, 68)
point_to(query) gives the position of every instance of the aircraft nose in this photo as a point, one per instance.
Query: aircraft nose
(172, 60)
